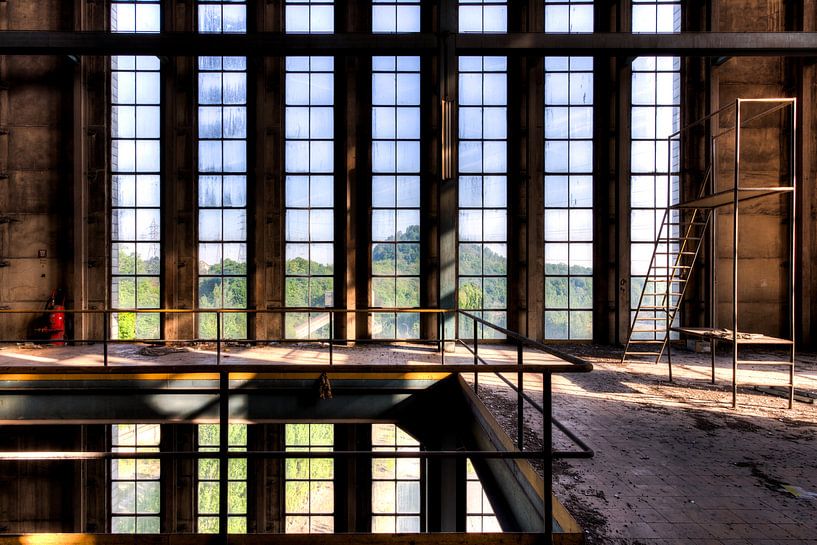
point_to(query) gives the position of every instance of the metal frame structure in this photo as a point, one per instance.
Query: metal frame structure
(571, 364)
(733, 197)
(681, 258)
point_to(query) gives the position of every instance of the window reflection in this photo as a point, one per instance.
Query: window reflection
(309, 498)
(654, 165)
(208, 480)
(309, 163)
(483, 253)
(568, 183)
(135, 492)
(135, 180)
(479, 512)
(395, 195)
(396, 482)
(222, 187)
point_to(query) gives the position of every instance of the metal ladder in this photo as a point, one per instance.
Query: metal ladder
(676, 250)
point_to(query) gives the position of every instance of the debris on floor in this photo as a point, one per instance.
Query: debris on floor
(158, 351)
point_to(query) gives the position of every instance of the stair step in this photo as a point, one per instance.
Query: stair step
(651, 319)
(641, 353)
(636, 341)
(648, 331)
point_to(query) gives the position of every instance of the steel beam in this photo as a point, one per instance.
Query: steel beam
(170, 44)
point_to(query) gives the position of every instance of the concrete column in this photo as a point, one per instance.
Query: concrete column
(807, 198)
(447, 190)
(606, 94)
(445, 489)
(266, 484)
(528, 252)
(91, 189)
(178, 478)
(522, 89)
(179, 179)
(621, 202)
(266, 179)
(92, 483)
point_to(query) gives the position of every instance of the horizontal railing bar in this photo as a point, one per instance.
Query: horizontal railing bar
(11, 456)
(227, 342)
(586, 451)
(274, 310)
(580, 363)
(731, 105)
(287, 368)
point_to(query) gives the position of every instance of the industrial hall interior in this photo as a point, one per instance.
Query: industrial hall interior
(408, 272)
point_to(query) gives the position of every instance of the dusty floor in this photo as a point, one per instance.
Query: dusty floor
(674, 463)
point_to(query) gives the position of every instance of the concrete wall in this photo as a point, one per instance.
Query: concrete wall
(35, 165)
(38, 496)
(763, 250)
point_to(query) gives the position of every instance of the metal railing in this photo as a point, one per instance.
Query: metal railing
(568, 364)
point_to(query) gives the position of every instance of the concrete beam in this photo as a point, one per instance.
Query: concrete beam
(169, 44)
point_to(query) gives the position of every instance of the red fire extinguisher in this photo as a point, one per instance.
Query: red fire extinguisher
(56, 319)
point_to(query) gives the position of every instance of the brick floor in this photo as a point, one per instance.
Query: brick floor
(674, 463)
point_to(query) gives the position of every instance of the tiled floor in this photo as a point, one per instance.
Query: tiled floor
(675, 464)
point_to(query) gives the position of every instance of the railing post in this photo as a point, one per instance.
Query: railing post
(331, 330)
(547, 453)
(106, 326)
(520, 407)
(441, 321)
(223, 448)
(476, 357)
(218, 338)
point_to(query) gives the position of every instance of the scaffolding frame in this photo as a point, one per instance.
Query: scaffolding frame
(734, 196)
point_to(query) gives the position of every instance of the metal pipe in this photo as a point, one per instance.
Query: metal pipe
(793, 248)
(547, 455)
(331, 334)
(283, 369)
(520, 406)
(476, 358)
(223, 449)
(10, 456)
(442, 340)
(735, 204)
(106, 324)
(218, 338)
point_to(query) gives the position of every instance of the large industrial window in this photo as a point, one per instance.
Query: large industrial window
(135, 177)
(310, 489)
(568, 180)
(396, 178)
(480, 515)
(396, 482)
(309, 165)
(222, 167)
(483, 167)
(208, 483)
(654, 166)
(135, 490)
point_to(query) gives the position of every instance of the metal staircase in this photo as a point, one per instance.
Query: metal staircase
(678, 243)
